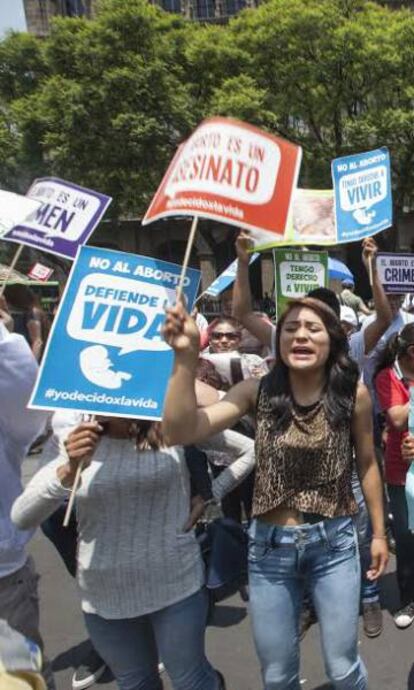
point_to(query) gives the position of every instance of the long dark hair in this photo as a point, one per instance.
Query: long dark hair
(396, 346)
(341, 371)
(149, 435)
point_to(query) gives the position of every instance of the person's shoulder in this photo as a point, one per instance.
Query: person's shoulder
(14, 350)
(385, 376)
(367, 320)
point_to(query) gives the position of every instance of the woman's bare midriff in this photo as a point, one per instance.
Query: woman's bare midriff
(285, 517)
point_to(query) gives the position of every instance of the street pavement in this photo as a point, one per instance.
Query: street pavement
(389, 658)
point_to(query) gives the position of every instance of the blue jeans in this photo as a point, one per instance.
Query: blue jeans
(131, 647)
(282, 561)
(369, 590)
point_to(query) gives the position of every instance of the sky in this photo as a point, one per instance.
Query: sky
(11, 16)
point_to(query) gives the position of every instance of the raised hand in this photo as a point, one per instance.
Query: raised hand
(180, 331)
(244, 243)
(369, 251)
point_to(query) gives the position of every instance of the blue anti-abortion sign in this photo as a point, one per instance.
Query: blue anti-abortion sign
(227, 278)
(106, 353)
(363, 200)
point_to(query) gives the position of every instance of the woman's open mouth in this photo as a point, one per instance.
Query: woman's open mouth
(300, 351)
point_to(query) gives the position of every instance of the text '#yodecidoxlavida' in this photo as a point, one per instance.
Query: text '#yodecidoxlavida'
(123, 400)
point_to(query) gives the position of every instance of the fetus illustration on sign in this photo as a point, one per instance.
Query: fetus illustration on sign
(363, 217)
(97, 368)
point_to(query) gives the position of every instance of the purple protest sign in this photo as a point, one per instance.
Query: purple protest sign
(65, 220)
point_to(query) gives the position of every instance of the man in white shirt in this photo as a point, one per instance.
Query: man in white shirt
(19, 427)
(399, 319)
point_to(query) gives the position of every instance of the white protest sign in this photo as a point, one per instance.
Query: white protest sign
(234, 172)
(14, 209)
(396, 272)
(64, 219)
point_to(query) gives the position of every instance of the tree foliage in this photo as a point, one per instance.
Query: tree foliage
(113, 103)
(105, 102)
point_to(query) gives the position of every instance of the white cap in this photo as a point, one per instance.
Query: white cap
(348, 315)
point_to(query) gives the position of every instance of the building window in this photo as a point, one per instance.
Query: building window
(171, 6)
(204, 9)
(233, 6)
(73, 8)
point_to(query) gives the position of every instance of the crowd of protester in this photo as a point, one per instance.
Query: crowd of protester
(293, 429)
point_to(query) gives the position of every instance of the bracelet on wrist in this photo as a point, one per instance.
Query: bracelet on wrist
(383, 537)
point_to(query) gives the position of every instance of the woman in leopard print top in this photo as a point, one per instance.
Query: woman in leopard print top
(311, 416)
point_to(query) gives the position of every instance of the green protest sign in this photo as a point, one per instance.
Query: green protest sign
(296, 273)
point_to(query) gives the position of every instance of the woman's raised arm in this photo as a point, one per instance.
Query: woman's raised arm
(183, 423)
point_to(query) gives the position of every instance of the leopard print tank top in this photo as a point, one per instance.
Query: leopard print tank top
(306, 467)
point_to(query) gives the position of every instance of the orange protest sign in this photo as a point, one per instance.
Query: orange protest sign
(232, 172)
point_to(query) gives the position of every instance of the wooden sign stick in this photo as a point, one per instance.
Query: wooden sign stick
(75, 485)
(187, 254)
(11, 267)
(370, 271)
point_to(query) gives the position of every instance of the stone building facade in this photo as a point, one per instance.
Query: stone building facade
(39, 12)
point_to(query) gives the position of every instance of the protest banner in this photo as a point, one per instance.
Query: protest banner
(296, 273)
(396, 272)
(233, 172)
(106, 353)
(311, 221)
(65, 219)
(40, 272)
(14, 209)
(225, 279)
(363, 199)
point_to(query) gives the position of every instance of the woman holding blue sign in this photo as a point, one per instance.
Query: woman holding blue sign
(311, 414)
(139, 567)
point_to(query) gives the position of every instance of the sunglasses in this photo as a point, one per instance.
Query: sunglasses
(229, 335)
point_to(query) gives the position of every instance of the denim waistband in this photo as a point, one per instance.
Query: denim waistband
(306, 533)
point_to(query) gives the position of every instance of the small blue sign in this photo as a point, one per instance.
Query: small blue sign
(106, 354)
(363, 198)
(227, 278)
